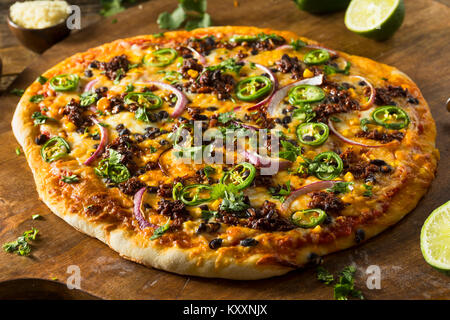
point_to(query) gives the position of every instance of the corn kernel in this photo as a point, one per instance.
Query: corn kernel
(317, 229)
(192, 73)
(308, 73)
(69, 126)
(349, 177)
(215, 205)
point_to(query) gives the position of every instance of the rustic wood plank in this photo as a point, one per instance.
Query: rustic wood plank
(418, 51)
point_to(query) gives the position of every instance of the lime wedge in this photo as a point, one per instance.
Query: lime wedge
(435, 238)
(376, 19)
(321, 6)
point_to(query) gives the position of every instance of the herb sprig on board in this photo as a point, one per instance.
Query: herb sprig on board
(190, 13)
(344, 286)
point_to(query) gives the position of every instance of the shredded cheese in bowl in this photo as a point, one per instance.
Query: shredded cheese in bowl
(38, 14)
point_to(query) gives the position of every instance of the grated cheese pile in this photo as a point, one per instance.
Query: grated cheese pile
(38, 14)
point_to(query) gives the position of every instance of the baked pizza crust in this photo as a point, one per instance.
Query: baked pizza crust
(66, 202)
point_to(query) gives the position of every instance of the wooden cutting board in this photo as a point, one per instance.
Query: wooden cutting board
(420, 48)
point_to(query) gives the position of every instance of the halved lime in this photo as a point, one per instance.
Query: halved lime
(376, 19)
(321, 6)
(435, 238)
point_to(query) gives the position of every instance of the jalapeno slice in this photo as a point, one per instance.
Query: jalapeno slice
(147, 100)
(190, 195)
(160, 58)
(308, 218)
(390, 117)
(54, 149)
(253, 88)
(305, 93)
(327, 165)
(241, 175)
(318, 56)
(64, 82)
(313, 134)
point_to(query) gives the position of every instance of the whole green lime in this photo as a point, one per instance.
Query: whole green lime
(322, 6)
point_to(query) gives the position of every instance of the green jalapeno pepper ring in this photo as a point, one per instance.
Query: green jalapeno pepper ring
(249, 90)
(324, 168)
(194, 199)
(160, 58)
(382, 115)
(318, 56)
(316, 130)
(308, 218)
(147, 100)
(54, 149)
(305, 93)
(236, 175)
(64, 82)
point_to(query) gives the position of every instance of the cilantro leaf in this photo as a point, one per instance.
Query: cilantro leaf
(21, 245)
(304, 113)
(341, 187)
(324, 276)
(226, 117)
(70, 179)
(281, 192)
(39, 118)
(172, 20)
(363, 124)
(290, 152)
(161, 230)
(37, 98)
(88, 98)
(17, 92)
(111, 7)
(234, 202)
(192, 13)
(228, 65)
(345, 286)
(368, 192)
(42, 79)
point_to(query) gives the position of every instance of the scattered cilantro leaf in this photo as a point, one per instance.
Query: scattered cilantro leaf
(42, 79)
(304, 113)
(281, 192)
(341, 187)
(297, 44)
(17, 92)
(368, 192)
(324, 275)
(208, 170)
(363, 124)
(21, 246)
(161, 230)
(70, 179)
(228, 65)
(233, 201)
(345, 286)
(226, 117)
(290, 151)
(36, 216)
(191, 13)
(37, 98)
(88, 98)
(18, 152)
(39, 118)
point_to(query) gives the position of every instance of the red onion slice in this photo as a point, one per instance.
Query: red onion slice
(246, 126)
(315, 186)
(101, 145)
(198, 55)
(264, 162)
(90, 85)
(349, 141)
(181, 98)
(137, 210)
(371, 100)
(274, 80)
(279, 95)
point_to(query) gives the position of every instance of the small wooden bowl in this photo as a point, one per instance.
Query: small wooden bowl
(39, 40)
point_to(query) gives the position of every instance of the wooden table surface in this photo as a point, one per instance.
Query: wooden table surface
(420, 48)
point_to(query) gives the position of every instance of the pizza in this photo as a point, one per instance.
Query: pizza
(230, 152)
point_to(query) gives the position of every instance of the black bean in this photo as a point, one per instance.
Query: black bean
(212, 108)
(120, 127)
(286, 120)
(249, 242)
(88, 73)
(41, 139)
(163, 114)
(215, 243)
(163, 142)
(152, 189)
(314, 259)
(308, 138)
(360, 235)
